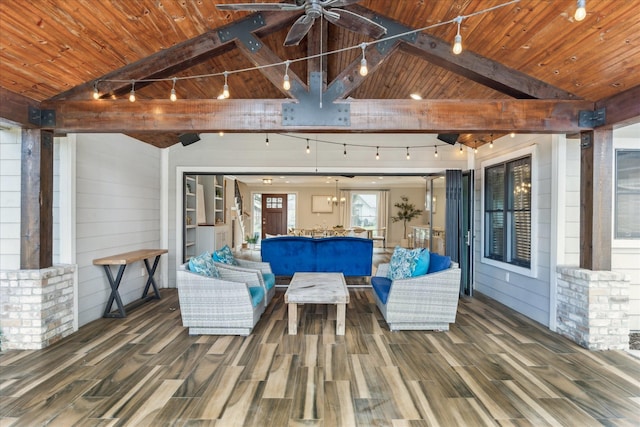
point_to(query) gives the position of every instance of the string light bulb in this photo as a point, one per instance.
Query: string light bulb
(581, 11)
(308, 149)
(491, 142)
(435, 154)
(377, 153)
(266, 141)
(512, 134)
(457, 41)
(363, 62)
(225, 88)
(173, 95)
(286, 84)
(408, 155)
(96, 94)
(345, 150)
(132, 94)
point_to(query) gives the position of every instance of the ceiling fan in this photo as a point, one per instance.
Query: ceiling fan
(314, 9)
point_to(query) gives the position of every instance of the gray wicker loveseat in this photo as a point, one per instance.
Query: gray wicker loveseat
(424, 302)
(227, 305)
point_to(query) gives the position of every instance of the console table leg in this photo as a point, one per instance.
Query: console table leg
(293, 319)
(115, 295)
(150, 280)
(341, 310)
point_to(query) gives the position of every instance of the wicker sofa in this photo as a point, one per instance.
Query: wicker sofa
(427, 302)
(220, 306)
(267, 278)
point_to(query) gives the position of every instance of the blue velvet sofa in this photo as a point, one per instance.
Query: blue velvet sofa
(351, 256)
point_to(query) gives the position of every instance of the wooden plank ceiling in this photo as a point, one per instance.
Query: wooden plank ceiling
(52, 52)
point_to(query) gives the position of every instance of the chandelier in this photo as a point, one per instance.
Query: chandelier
(335, 199)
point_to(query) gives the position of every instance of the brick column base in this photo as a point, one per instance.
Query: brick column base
(37, 306)
(593, 308)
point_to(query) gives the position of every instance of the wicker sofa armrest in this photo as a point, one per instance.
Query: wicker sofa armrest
(244, 275)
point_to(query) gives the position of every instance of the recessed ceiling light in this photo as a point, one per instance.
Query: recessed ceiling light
(380, 177)
(416, 96)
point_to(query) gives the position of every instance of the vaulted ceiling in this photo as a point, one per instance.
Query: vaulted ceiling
(527, 66)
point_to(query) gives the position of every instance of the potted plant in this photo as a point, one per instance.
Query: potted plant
(406, 212)
(252, 240)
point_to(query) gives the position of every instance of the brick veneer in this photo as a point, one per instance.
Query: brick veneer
(593, 307)
(37, 306)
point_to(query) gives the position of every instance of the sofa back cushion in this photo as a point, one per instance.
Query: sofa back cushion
(288, 254)
(203, 265)
(403, 262)
(351, 256)
(225, 256)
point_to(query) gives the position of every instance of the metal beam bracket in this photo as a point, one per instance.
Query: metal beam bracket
(393, 29)
(592, 119)
(42, 118)
(315, 109)
(243, 31)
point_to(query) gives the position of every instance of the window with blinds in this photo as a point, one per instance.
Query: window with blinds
(507, 212)
(627, 204)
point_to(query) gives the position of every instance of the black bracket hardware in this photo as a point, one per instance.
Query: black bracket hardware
(592, 119)
(243, 31)
(316, 109)
(42, 118)
(393, 28)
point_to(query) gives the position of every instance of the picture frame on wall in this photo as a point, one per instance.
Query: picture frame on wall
(321, 204)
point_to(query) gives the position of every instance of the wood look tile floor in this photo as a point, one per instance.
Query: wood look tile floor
(494, 367)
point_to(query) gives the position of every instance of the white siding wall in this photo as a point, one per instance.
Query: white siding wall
(118, 210)
(10, 148)
(572, 205)
(528, 295)
(626, 253)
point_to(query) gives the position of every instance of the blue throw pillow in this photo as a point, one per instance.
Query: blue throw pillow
(203, 265)
(438, 263)
(403, 262)
(422, 264)
(225, 256)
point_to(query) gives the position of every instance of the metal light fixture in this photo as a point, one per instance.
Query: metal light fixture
(334, 199)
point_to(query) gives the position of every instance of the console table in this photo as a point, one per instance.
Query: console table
(123, 260)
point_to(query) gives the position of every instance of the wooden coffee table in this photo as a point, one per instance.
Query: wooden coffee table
(317, 288)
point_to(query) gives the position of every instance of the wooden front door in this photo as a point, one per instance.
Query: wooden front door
(274, 214)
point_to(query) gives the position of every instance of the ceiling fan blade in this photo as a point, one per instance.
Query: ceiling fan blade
(338, 3)
(298, 30)
(354, 22)
(260, 7)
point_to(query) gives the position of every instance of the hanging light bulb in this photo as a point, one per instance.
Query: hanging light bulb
(221, 133)
(286, 84)
(457, 41)
(377, 153)
(266, 141)
(435, 154)
(225, 88)
(345, 150)
(96, 94)
(408, 155)
(461, 148)
(308, 149)
(173, 95)
(581, 11)
(491, 143)
(132, 94)
(512, 134)
(363, 62)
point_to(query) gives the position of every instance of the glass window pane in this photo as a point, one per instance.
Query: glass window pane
(364, 210)
(627, 220)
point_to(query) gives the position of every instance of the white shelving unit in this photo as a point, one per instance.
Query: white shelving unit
(189, 217)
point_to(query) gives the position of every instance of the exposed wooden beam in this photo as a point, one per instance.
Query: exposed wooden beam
(349, 79)
(160, 140)
(14, 108)
(170, 61)
(36, 205)
(265, 57)
(596, 182)
(475, 67)
(622, 109)
(442, 116)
